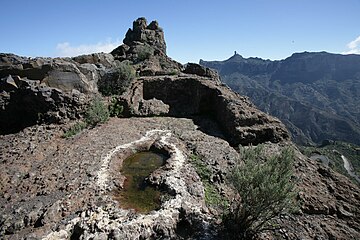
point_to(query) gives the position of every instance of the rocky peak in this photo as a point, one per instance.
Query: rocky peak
(144, 46)
(150, 34)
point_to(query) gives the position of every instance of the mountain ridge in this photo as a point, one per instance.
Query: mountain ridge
(324, 84)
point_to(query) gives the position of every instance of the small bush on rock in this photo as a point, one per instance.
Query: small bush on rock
(117, 80)
(75, 129)
(144, 52)
(115, 108)
(264, 192)
(96, 113)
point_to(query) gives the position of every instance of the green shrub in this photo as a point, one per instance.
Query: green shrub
(96, 113)
(117, 80)
(144, 52)
(173, 72)
(264, 191)
(115, 108)
(75, 129)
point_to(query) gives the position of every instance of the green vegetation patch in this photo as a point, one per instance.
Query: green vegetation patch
(144, 52)
(96, 113)
(212, 195)
(75, 129)
(116, 109)
(264, 188)
(117, 80)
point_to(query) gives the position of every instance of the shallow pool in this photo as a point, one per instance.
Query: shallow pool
(137, 194)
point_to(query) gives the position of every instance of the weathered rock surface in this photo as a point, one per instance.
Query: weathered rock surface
(193, 68)
(70, 189)
(144, 45)
(150, 34)
(190, 96)
(56, 188)
(25, 102)
(46, 90)
(80, 73)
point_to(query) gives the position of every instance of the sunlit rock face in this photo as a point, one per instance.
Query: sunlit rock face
(151, 34)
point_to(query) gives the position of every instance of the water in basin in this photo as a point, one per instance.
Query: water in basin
(137, 194)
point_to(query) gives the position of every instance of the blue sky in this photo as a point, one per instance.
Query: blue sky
(206, 29)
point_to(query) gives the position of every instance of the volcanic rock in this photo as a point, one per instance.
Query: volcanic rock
(150, 34)
(56, 188)
(190, 96)
(46, 90)
(193, 68)
(26, 102)
(144, 45)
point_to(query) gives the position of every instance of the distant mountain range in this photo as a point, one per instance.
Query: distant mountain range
(316, 94)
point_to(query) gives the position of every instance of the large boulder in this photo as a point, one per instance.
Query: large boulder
(193, 68)
(47, 90)
(66, 76)
(26, 102)
(32, 68)
(81, 73)
(99, 59)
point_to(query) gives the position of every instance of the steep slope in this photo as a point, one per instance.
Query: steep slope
(315, 94)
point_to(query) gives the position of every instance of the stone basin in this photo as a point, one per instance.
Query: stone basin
(137, 192)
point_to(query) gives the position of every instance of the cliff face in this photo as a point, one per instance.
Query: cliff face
(319, 87)
(56, 188)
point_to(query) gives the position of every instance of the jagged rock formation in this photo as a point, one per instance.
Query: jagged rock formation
(28, 102)
(56, 188)
(319, 87)
(150, 34)
(145, 46)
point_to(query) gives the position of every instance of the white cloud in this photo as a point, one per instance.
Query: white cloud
(353, 47)
(354, 44)
(65, 49)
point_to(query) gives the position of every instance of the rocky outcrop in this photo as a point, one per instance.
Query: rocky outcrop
(100, 60)
(193, 68)
(150, 34)
(144, 45)
(26, 102)
(190, 96)
(80, 73)
(142, 34)
(46, 90)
